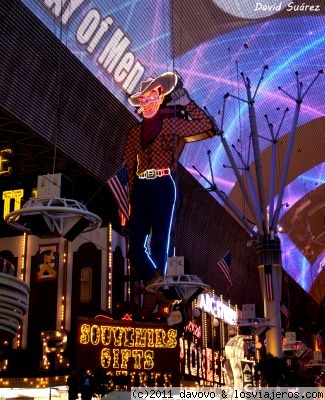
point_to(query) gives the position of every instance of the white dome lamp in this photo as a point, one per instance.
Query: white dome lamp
(52, 215)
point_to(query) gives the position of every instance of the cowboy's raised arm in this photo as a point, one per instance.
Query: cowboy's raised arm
(197, 125)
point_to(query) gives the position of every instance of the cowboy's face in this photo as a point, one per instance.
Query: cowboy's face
(150, 102)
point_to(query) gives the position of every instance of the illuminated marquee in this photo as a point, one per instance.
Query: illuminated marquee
(128, 336)
(216, 307)
(140, 352)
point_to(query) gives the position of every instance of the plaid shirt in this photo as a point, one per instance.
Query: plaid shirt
(167, 147)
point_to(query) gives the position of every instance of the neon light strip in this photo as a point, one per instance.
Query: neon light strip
(146, 246)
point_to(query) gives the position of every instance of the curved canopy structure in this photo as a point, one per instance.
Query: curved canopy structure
(209, 43)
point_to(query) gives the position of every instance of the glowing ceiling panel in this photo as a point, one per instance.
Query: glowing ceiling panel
(209, 43)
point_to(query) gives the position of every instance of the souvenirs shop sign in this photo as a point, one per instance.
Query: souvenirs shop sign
(140, 352)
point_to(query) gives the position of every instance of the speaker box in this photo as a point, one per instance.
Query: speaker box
(57, 185)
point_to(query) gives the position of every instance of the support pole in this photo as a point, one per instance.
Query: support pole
(272, 176)
(275, 220)
(270, 271)
(273, 163)
(241, 217)
(253, 193)
(257, 155)
(255, 211)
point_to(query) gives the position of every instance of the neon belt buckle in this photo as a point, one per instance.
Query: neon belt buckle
(151, 173)
(165, 171)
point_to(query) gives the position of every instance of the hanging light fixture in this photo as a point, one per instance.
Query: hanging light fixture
(178, 286)
(53, 216)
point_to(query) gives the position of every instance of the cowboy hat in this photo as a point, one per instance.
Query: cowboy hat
(167, 81)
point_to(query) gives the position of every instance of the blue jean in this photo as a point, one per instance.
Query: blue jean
(152, 209)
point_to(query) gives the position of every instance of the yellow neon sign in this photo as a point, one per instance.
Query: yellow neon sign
(5, 169)
(9, 195)
(54, 342)
(126, 346)
(119, 358)
(120, 336)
